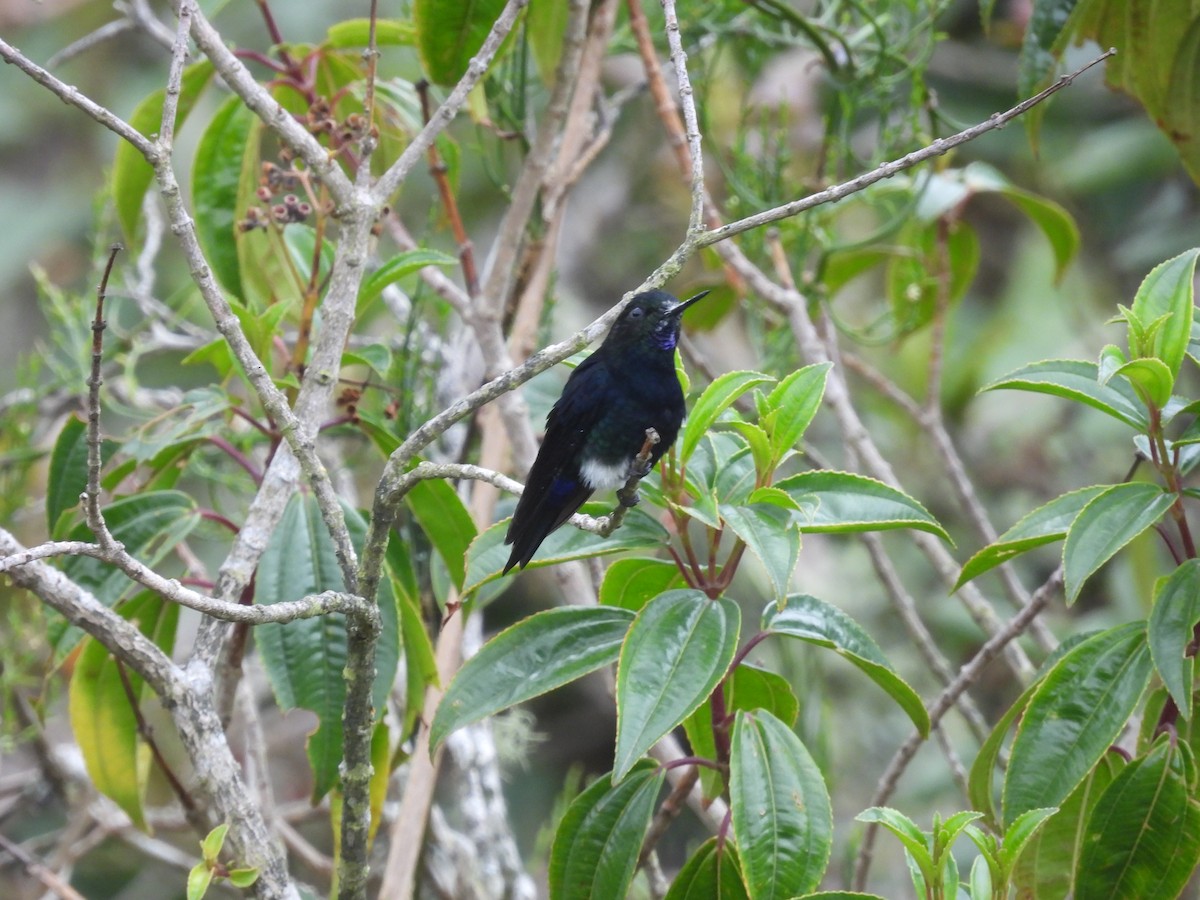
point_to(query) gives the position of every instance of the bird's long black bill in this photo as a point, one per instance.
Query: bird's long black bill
(678, 308)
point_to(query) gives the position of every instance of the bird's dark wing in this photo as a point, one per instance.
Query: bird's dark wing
(554, 489)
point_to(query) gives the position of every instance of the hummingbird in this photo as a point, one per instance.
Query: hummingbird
(598, 425)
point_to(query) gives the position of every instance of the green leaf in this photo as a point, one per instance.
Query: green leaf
(782, 818)
(1171, 631)
(1054, 221)
(216, 174)
(1046, 524)
(1075, 714)
(717, 398)
(809, 619)
(198, 881)
(793, 403)
(632, 583)
(306, 659)
(449, 34)
(916, 842)
(488, 552)
(1143, 837)
(772, 536)
(545, 25)
(1150, 378)
(150, 526)
(1046, 868)
(67, 478)
(377, 357)
(712, 873)
(102, 717)
(747, 688)
(1168, 291)
(243, 878)
(1108, 522)
(597, 843)
(851, 503)
(200, 415)
(131, 174)
(979, 784)
(356, 33)
(678, 648)
(420, 663)
(536, 655)
(442, 516)
(760, 448)
(394, 269)
(1076, 379)
(1021, 832)
(210, 847)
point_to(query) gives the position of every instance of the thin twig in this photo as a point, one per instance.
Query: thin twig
(49, 880)
(888, 169)
(166, 130)
(687, 100)
(73, 97)
(437, 168)
(91, 497)
(105, 32)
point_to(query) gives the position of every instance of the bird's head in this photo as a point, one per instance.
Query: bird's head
(653, 318)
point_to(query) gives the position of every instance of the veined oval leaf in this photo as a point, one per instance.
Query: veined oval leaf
(545, 25)
(544, 651)
(979, 783)
(847, 502)
(67, 478)
(394, 269)
(216, 174)
(747, 688)
(150, 525)
(717, 398)
(793, 404)
(712, 873)
(782, 818)
(596, 847)
(771, 534)
(306, 659)
(1046, 867)
(1143, 837)
(916, 842)
(1151, 378)
(1172, 629)
(420, 662)
(1073, 717)
(809, 619)
(131, 174)
(449, 34)
(102, 718)
(632, 583)
(443, 517)
(678, 648)
(357, 33)
(1046, 524)
(1108, 522)
(1021, 832)
(1168, 290)
(1076, 379)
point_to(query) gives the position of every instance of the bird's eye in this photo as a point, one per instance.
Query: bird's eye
(636, 313)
